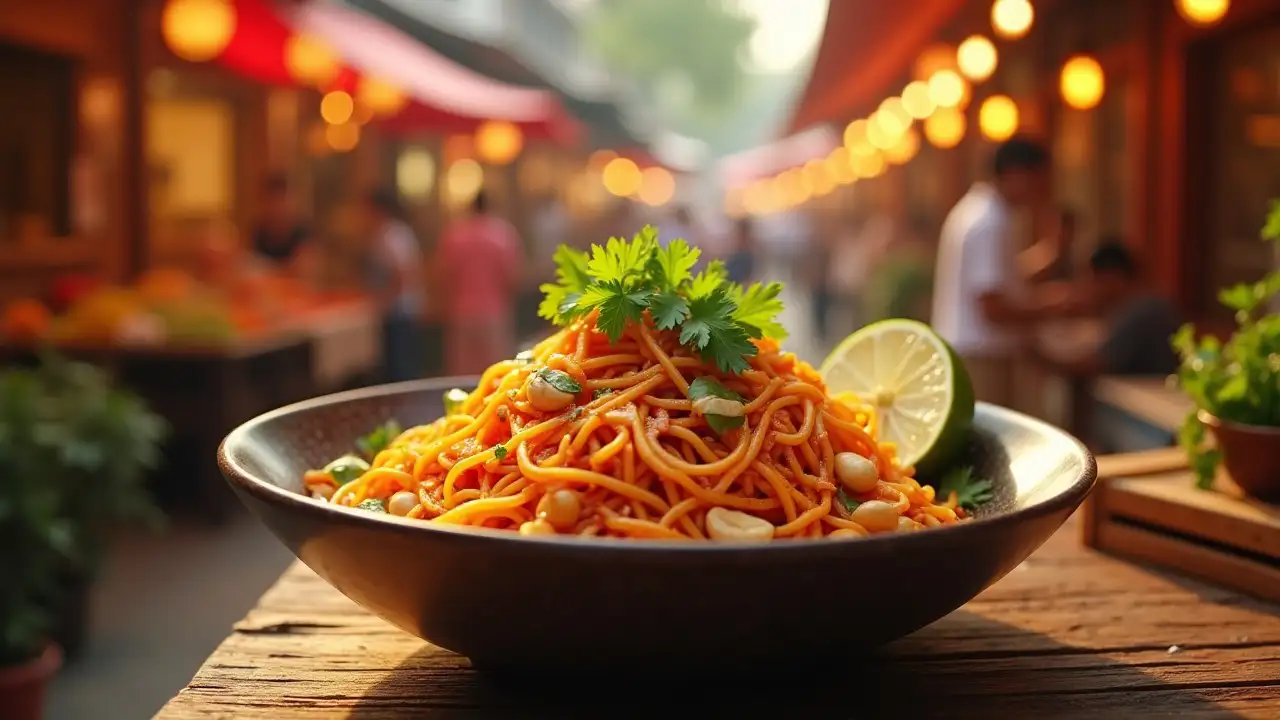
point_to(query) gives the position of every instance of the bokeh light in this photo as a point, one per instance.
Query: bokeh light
(415, 173)
(820, 177)
(310, 60)
(977, 58)
(336, 107)
(945, 128)
(855, 137)
(198, 30)
(657, 186)
(462, 181)
(947, 88)
(1082, 82)
(905, 149)
(498, 142)
(869, 166)
(934, 58)
(1011, 19)
(840, 166)
(622, 177)
(342, 138)
(380, 96)
(916, 100)
(1203, 13)
(998, 118)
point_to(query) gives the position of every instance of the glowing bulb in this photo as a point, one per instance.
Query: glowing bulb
(462, 181)
(621, 177)
(1203, 13)
(415, 173)
(905, 149)
(840, 166)
(380, 96)
(869, 166)
(976, 57)
(342, 138)
(893, 116)
(657, 186)
(945, 128)
(916, 100)
(310, 61)
(819, 177)
(1011, 19)
(498, 141)
(947, 88)
(855, 135)
(336, 107)
(198, 30)
(998, 117)
(1082, 82)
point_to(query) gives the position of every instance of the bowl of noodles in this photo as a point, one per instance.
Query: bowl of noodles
(620, 497)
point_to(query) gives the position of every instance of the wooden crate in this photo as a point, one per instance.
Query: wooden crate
(1146, 508)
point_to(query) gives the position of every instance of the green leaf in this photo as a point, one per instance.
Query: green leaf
(970, 492)
(847, 502)
(571, 269)
(1241, 297)
(620, 261)
(1271, 230)
(709, 280)
(758, 308)
(704, 387)
(373, 505)
(668, 310)
(619, 308)
(346, 468)
(378, 440)
(500, 451)
(671, 267)
(560, 380)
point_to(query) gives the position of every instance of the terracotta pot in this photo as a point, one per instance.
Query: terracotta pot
(22, 686)
(1250, 455)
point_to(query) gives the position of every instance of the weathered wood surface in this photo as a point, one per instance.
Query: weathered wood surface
(1070, 633)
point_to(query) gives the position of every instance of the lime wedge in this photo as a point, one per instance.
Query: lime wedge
(919, 387)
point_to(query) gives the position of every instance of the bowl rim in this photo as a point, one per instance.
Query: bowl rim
(270, 493)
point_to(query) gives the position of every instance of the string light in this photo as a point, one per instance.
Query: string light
(977, 58)
(1011, 19)
(1082, 82)
(336, 107)
(947, 88)
(621, 176)
(342, 138)
(945, 128)
(840, 166)
(905, 149)
(657, 186)
(936, 57)
(198, 30)
(462, 181)
(916, 100)
(998, 118)
(498, 142)
(310, 60)
(380, 96)
(1203, 13)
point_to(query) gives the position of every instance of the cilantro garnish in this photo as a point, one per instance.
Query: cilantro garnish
(346, 468)
(500, 451)
(970, 491)
(623, 279)
(377, 441)
(560, 380)
(705, 387)
(373, 505)
(849, 503)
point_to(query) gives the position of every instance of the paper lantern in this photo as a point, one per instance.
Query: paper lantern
(1011, 19)
(1203, 13)
(380, 96)
(998, 117)
(1082, 82)
(498, 142)
(945, 128)
(198, 30)
(657, 186)
(621, 177)
(310, 61)
(976, 58)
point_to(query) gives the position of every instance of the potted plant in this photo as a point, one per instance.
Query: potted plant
(97, 443)
(1235, 386)
(40, 542)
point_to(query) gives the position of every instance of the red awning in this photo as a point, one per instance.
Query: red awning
(446, 97)
(866, 47)
(767, 160)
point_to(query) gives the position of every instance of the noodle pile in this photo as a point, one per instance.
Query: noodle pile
(631, 457)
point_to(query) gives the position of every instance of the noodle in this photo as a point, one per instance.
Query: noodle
(631, 456)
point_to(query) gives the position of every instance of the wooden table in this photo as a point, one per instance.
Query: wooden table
(1070, 633)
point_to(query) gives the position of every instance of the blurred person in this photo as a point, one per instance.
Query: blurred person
(479, 265)
(281, 239)
(979, 294)
(395, 280)
(1138, 321)
(741, 262)
(1050, 259)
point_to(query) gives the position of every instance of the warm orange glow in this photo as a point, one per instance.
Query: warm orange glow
(657, 186)
(342, 138)
(998, 117)
(600, 158)
(1203, 13)
(893, 116)
(498, 142)
(947, 88)
(945, 128)
(310, 60)
(1011, 19)
(336, 107)
(840, 166)
(794, 187)
(855, 136)
(735, 202)
(869, 166)
(380, 96)
(905, 149)
(1082, 82)
(198, 30)
(916, 100)
(976, 57)
(457, 147)
(462, 181)
(936, 57)
(621, 177)
(820, 177)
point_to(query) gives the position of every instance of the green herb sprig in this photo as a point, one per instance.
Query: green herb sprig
(1239, 380)
(623, 279)
(971, 492)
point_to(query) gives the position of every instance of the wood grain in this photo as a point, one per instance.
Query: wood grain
(1070, 633)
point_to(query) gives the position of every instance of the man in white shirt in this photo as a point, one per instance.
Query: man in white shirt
(977, 286)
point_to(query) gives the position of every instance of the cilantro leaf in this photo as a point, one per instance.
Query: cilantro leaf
(970, 491)
(757, 307)
(378, 440)
(500, 451)
(621, 261)
(572, 279)
(620, 307)
(709, 280)
(672, 266)
(668, 310)
(847, 502)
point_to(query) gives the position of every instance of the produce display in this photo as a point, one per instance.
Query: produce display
(165, 306)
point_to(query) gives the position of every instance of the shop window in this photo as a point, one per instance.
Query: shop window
(36, 135)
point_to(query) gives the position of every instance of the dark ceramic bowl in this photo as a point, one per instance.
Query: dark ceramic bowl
(517, 602)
